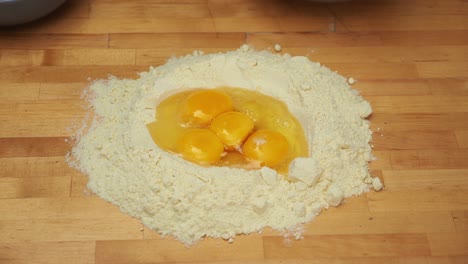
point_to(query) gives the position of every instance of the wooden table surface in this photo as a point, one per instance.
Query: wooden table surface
(410, 60)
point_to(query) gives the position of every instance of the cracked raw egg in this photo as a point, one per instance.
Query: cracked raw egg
(268, 147)
(200, 145)
(202, 106)
(232, 128)
(229, 127)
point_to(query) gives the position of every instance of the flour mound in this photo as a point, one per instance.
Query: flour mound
(178, 198)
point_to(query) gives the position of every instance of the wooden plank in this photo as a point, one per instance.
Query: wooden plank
(461, 259)
(21, 57)
(169, 250)
(99, 57)
(376, 22)
(451, 244)
(152, 9)
(422, 38)
(79, 188)
(102, 26)
(392, 87)
(254, 24)
(71, 57)
(35, 187)
(382, 160)
(62, 91)
(33, 147)
(66, 74)
(243, 9)
(43, 108)
(55, 230)
(350, 260)
(370, 54)
(347, 246)
(160, 56)
(448, 86)
(313, 40)
(27, 167)
(419, 121)
(273, 24)
(361, 222)
(90, 207)
(48, 252)
(442, 69)
(64, 219)
(352, 204)
(448, 179)
(13, 40)
(439, 87)
(395, 54)
(415, 139)
(307, 24)
(28, 127)
(375, 71)
(406, 39)
(429, 159)
(175, 41)
(460, 219)
(462, 138)
(42, 118)
(395, 8)
(418, 200)
(19, 91)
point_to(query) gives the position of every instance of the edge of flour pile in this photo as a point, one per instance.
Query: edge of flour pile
(262, 197)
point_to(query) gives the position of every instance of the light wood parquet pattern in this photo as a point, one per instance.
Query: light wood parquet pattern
(410, 58)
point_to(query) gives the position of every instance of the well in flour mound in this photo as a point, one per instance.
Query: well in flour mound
(179, 198)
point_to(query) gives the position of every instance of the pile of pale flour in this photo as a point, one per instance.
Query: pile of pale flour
(179, 198)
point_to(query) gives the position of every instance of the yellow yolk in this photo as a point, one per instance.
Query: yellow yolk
(201, 146)
(232, 128)
(267, 147)
(175, 118)
(202, 106)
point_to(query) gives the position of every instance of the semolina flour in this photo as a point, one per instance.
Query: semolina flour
(181, 199)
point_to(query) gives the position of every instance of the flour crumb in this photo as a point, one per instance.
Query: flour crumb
(377, 184)
(278, 47)
(351, 80)
(178, 198)
(306, 170)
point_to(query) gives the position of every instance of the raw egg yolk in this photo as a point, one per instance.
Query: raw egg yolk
(267, 147)
(201, 146)
(202, 106)
(232, 128)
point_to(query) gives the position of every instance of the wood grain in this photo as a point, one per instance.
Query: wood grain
(348, 246)
(48, 252)
(410, 60)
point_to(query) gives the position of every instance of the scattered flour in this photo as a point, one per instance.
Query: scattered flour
(181, 199)
(278, 47)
